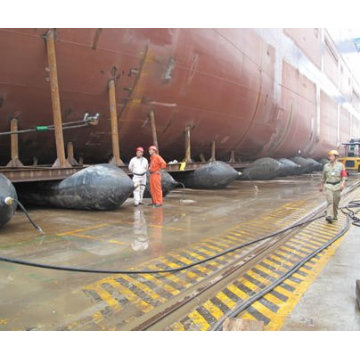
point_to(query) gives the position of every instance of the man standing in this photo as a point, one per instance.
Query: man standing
(138, 166)
(334, 177)
(156, 164)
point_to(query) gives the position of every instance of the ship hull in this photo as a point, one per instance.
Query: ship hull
(258, 92)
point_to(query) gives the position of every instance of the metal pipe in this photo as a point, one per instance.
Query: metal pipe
(153, 128)
(55, 99)
(116, 160)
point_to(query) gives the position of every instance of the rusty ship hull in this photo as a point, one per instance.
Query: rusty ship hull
(257, 92)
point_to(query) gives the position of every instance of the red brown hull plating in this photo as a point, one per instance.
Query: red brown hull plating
(255, 91)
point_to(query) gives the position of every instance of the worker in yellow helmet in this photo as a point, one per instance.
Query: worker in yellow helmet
(333, 181)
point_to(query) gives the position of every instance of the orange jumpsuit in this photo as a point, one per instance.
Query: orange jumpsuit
(156, 164)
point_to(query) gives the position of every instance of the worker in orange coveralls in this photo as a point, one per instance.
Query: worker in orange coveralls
(156, 164)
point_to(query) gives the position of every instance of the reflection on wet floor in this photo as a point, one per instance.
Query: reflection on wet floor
(126, 238)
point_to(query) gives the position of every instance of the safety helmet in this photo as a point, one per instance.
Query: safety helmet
(140, 149)
(154, 148)
(333, 152)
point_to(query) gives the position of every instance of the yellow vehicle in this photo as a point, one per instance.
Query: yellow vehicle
(351, 160)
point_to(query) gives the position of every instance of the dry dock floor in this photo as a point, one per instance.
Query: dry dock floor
(134, 237)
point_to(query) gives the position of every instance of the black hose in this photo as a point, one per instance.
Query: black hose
(37, 227)
(243, 306)
(170, 270)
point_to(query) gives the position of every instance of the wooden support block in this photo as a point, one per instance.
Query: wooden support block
(213, 151)
(70, 153)
(187, 145)
(14, 162)
(153, 128)
(116, 160)
(55, 100)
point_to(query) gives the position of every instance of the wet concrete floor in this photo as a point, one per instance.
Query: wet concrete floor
(34, 298)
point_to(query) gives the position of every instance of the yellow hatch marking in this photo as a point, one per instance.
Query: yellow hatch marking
(199, 320)
(213, 309)
(132, 297)
(226, 300)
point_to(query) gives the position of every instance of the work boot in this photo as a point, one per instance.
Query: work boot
(329, 219)
(335, 218)
(158, 205)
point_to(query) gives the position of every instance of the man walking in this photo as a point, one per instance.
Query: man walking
(333, 180)
(156, 164)
(138, 166)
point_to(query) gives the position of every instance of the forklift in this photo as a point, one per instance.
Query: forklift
(351, 160)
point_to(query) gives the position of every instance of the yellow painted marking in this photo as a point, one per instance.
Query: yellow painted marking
(3, 321)
(160, 284)
(199, 320)
(97, 317)
(272, 298)
(144, 288)
(317, 236)
(239, 293)
(274, 265)
(283, 260)
(231, 237)
(248, 316)
(267, 271)
(216, 247)
(132, 297)
(114, 241)
(172, 277)
(200, 257)
(258, 277)
(213, 310)
(297, 242)
(278, 320)
(300, 252)
(257, 305)
(82, 229)
(188, 273)
(178, 326)
(287, 255)
(187, 262)
(226, 300)
(105, 296)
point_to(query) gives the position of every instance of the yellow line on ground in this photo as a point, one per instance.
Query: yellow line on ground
(82, 229)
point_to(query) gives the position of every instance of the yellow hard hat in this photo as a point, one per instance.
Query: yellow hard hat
(333, 152)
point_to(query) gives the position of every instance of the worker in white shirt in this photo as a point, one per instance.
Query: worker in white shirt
(139, 166)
